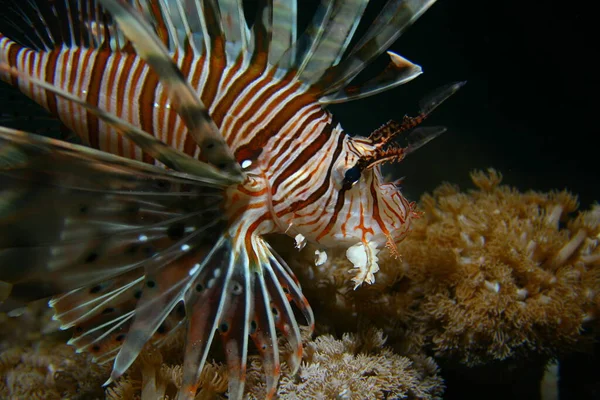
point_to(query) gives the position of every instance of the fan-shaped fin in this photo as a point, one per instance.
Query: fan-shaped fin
(241, 293)
(165, 284)
(80, 304)
(101, 315)
(103, 334)
(263, 334)
(288, 281)
(204, 306)
(108, 214)
(283, 287)
(234, 323)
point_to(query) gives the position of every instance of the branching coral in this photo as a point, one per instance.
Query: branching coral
(515, 280)
(356, 367)
(485, 275)
(49, 370)
(157, 375)
(151, 379)
(36, 362)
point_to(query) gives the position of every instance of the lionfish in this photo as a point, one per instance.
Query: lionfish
(200, 134)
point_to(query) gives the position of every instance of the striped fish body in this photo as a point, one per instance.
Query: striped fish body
(241, 97)
(238, 116)
(267, 117)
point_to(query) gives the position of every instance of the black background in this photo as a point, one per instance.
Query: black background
(529, 104)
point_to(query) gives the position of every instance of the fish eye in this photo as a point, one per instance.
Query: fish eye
(351, 176)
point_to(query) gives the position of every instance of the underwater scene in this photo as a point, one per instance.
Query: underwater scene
(218, 199)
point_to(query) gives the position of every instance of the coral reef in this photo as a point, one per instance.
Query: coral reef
(491, 278)
(487, 275)
(152, 378)
(157, 374)
(37, 364)
(356, 367)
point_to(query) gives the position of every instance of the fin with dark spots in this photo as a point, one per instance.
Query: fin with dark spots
(163, 289)
(79, 216)
(79, 305)
(283, 287)
(101, 315)
(248, 292)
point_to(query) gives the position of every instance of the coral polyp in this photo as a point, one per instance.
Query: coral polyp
(485, 275)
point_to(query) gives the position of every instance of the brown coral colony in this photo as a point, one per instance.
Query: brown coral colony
(486, 276)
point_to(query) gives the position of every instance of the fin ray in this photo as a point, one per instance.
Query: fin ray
(109, 213)
(331, 38)
(234, 25)
(395, 17)
(398, 72)
(183, 98)
(284, 27)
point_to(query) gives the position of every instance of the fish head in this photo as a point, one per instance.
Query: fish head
(372, 209)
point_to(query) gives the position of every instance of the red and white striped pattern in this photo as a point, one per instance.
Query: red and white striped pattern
(267, 116)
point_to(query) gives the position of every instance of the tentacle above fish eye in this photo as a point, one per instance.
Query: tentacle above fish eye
(385, 150)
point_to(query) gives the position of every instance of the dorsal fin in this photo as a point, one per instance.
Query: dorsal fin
(44, 25)
(398, 72)
(235, 28)
(160, 14)
(395, 17)
(207, 25)
(284, 27)
(329, 39)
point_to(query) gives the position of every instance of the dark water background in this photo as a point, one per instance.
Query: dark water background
(529, 105)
